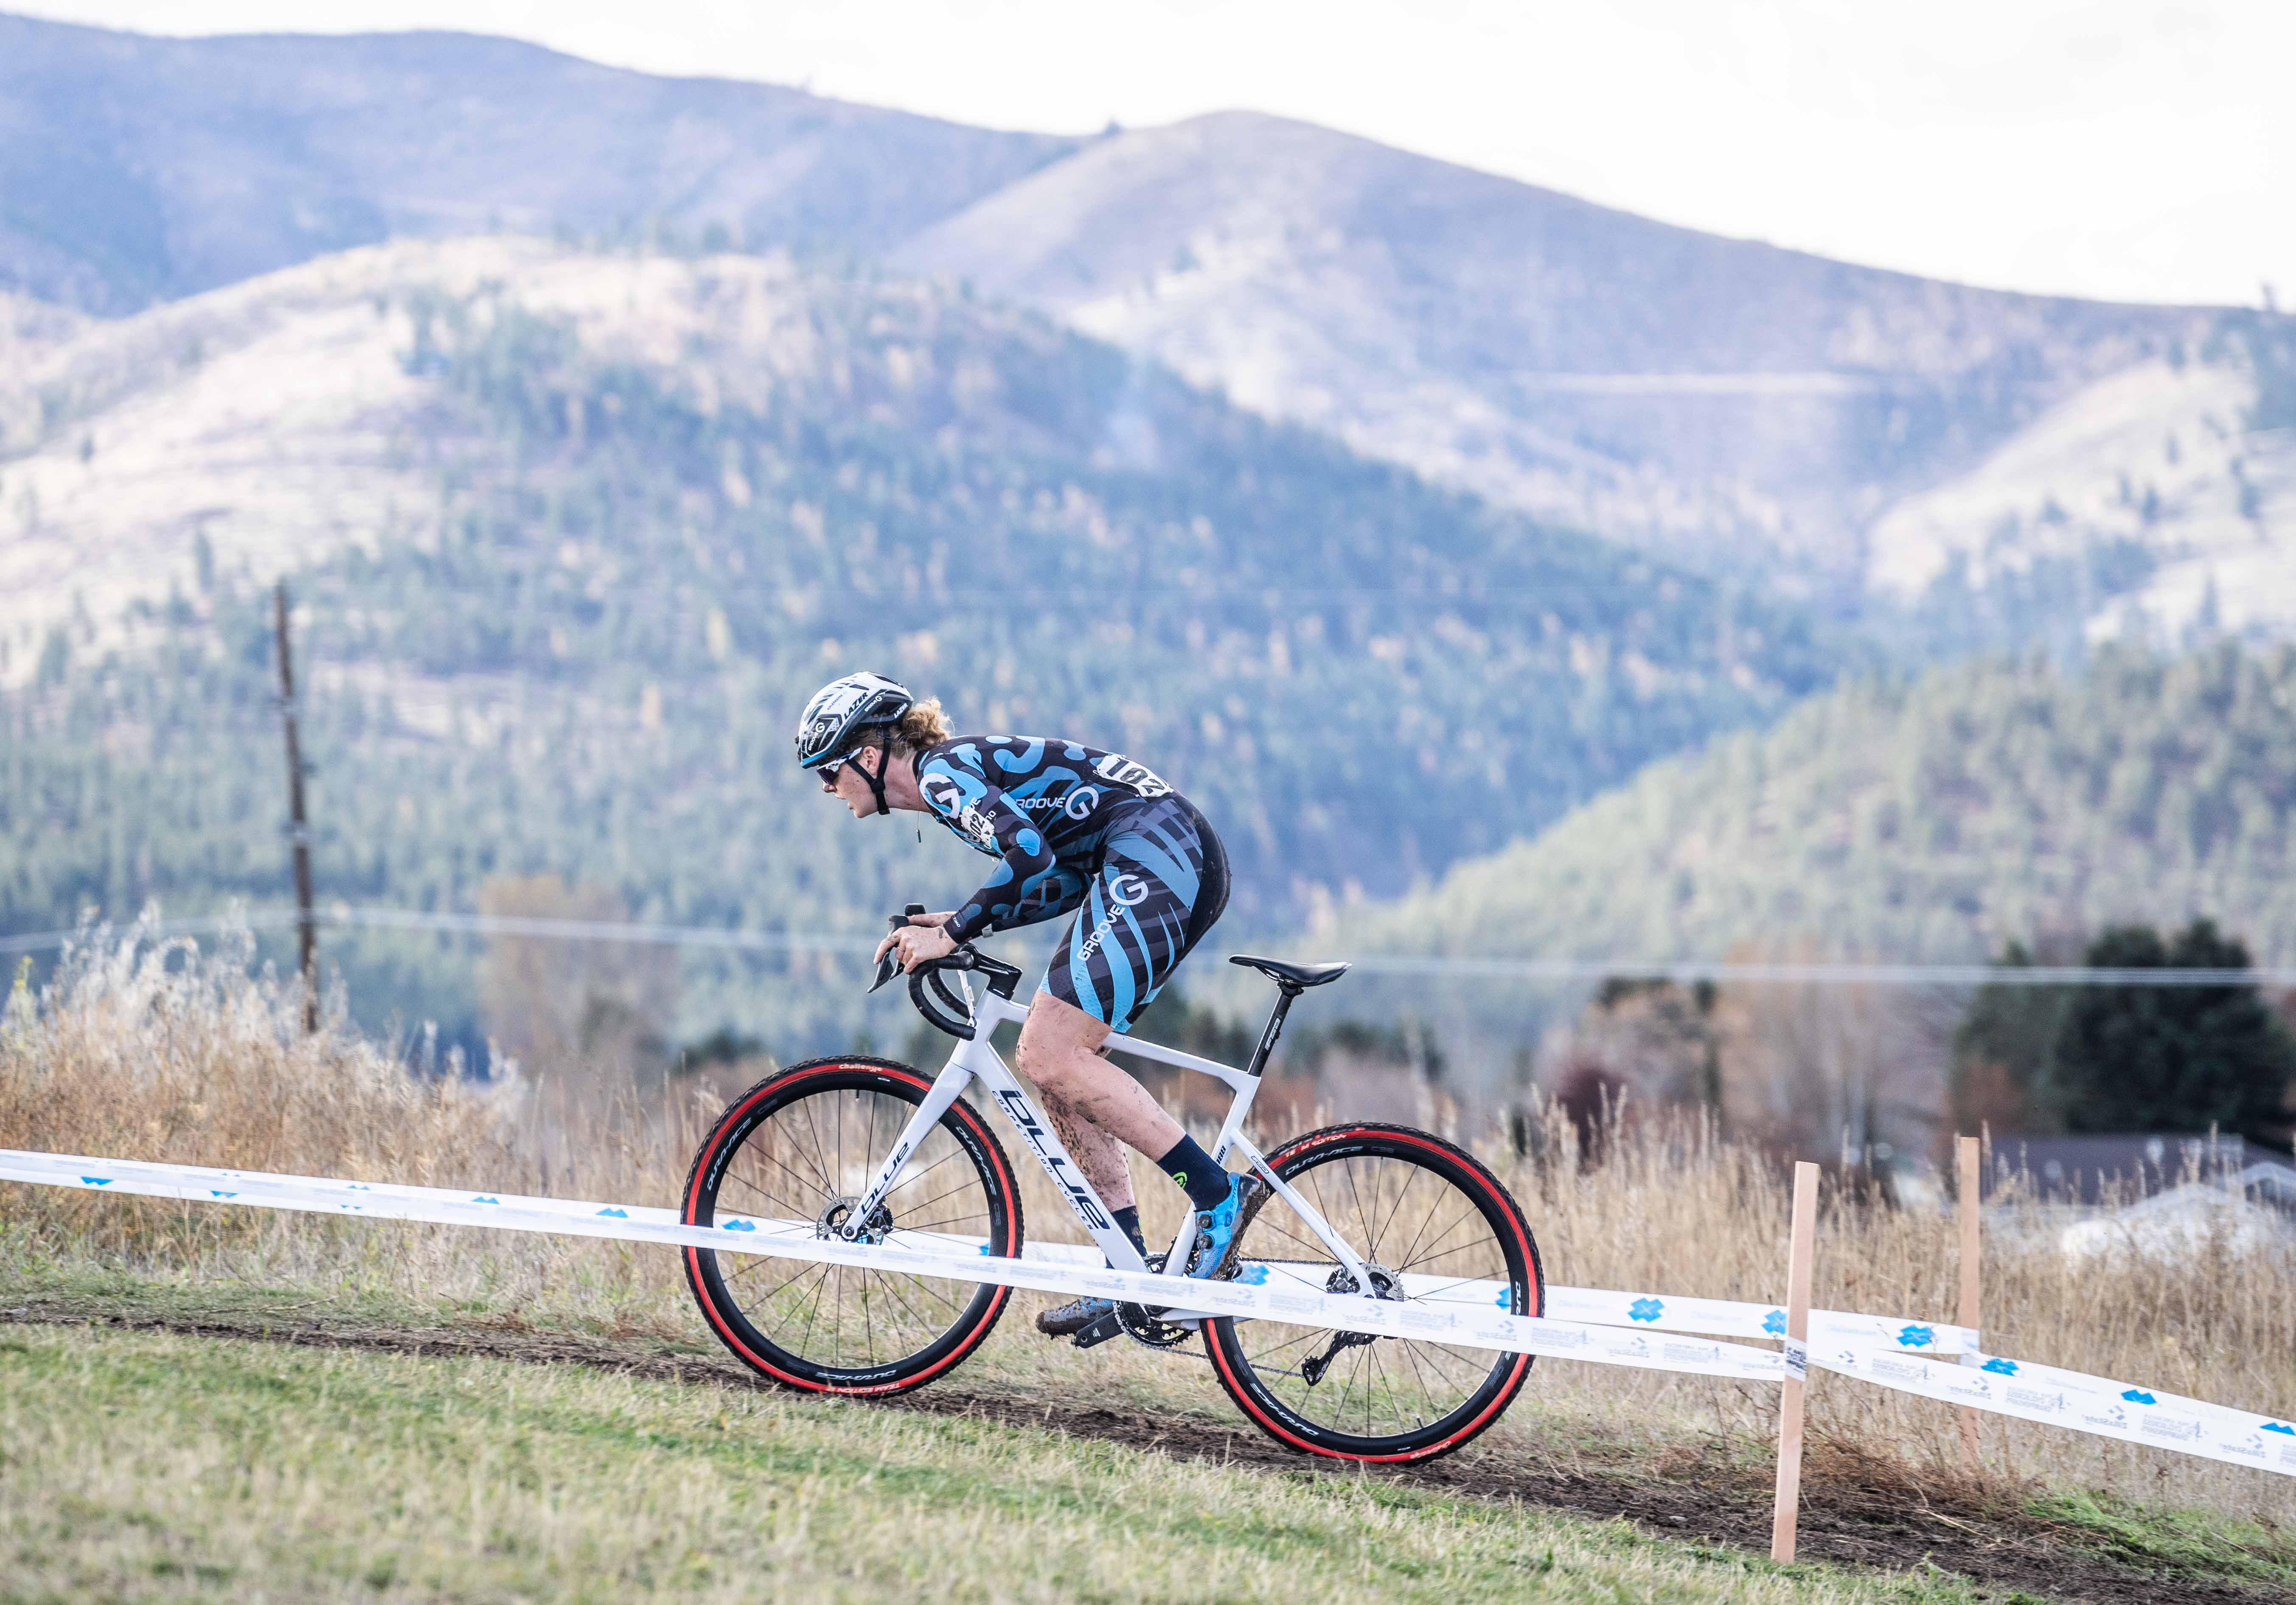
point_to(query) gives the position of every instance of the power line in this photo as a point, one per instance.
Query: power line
(607, 931)
(1692, 971)
(1683, 972)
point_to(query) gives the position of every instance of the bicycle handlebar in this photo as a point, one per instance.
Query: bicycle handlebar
(943, 1009)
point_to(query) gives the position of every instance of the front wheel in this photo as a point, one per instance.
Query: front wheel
(801, 1146)
(1430, 1226)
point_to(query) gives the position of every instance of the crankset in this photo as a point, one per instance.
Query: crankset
(1142, 1323)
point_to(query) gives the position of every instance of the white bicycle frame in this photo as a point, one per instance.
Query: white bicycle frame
(977, 1060)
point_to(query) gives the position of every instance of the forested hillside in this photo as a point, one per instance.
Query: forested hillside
(1932, 818)
(588, 542)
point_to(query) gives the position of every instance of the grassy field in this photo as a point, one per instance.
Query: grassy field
(142, 1465)
(309, 1406)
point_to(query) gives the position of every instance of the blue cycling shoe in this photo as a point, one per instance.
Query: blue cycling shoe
(1221, 1227)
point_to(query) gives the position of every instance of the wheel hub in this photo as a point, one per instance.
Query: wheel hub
(832, 1222)
(1384, 1284)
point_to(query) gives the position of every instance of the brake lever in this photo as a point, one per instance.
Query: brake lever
(888, 963)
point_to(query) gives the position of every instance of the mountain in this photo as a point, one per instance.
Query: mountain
(2157, 503)
(573, 533)
(136, 169)
(1730, 404)
(1823, 429)
(1906, 819)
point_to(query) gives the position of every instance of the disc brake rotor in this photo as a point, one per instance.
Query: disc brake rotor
(1384, 1284)
(831, 1222)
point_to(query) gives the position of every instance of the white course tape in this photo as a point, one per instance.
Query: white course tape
(1463, 1324)
(1637, 1311)
(1873, 1348)
(1728, 1318)
(2086, 1403)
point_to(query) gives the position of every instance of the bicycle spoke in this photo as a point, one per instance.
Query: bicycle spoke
(1431, 1253)
(1408, 1182)
(1401, 1214)
(769, 1198)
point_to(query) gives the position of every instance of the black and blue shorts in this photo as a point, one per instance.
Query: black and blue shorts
(1160, 884)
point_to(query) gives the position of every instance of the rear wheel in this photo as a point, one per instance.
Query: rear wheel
(1433, 1227)
(801, 1146)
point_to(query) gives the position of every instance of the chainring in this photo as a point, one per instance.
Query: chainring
(1145, 1324)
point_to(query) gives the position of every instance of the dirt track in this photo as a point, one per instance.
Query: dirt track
(1845, 1517)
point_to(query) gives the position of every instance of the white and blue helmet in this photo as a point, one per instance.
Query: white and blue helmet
(839, 716)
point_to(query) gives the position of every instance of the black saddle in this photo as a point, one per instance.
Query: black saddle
(1290, 976)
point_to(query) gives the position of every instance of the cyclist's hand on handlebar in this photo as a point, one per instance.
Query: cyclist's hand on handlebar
(919, 942)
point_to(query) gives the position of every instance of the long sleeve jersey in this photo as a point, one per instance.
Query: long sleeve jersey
(1043, 808)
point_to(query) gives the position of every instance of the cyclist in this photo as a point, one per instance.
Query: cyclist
(1075, 828)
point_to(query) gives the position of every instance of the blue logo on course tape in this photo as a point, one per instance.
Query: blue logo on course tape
(1775, 1323)
(1916, 1337)
(2007, 1368)
(2138, 1395)
(1645, 1309)
(617, 1214)
(96, 1181)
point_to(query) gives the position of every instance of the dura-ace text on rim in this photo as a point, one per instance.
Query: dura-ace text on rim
(804, 1144)
(1411, 1205)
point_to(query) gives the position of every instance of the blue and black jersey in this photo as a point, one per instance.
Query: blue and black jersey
(1075, 827)
(1045, 808)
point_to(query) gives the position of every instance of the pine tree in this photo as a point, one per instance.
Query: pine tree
(2170, 1059)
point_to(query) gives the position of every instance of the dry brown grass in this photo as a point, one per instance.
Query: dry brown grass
(173, 1055)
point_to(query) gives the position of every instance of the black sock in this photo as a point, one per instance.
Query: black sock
(1127, 1221)
(1197, 1171)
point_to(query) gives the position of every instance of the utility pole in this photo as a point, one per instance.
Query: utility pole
(298, 832)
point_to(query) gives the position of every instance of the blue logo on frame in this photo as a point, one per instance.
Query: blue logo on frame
(1645, 1309)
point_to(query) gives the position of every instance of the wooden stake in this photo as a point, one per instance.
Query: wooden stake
(1973, 1175)
(1799, 1255)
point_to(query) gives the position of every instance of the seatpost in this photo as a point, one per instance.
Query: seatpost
(1285, 993)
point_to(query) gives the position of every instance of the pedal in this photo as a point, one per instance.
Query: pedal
(1100, 1332)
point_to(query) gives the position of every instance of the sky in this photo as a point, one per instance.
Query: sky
(2121, 149)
